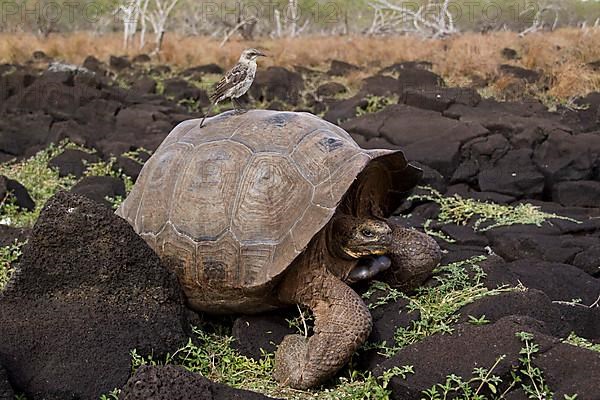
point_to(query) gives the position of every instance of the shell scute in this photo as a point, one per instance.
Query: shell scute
(163, 172)
(320, 155)
(202, 203)
(272, 196)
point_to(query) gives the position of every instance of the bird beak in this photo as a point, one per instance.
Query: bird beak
(261, 54)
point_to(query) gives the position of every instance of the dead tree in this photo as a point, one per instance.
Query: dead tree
(129, 12)
(538, 22)
(245, 26)
(158, 17)
(432, 19)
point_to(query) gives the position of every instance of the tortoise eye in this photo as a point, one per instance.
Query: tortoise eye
(367, 233)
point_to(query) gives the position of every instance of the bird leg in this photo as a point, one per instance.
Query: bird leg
(342, 324)
(239, 109)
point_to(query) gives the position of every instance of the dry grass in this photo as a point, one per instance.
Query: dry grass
(562, 54)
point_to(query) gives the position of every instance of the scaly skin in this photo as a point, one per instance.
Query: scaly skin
(342, 324)
(414, 255)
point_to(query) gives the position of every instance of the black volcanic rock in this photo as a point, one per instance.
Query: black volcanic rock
(515, 174)
(425, 136)
(255, 332)
(530, 303)
(277, 83)
(417, 78)
(6, 390)
(439, 99)
(98, 188)
(141, 59)
(197, 71)
(144, 85)
(87, 290)
(9, 188)
(527, 75)
(577, 193)
(341, 68)
(560, 282)
(380, 85)
(570, 370)
(72, 162)
(440, 355)
(330, 89)
(119, 63)
(509, 54)
(172, 382)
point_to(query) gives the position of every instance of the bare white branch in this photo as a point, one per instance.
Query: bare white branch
(433, 19)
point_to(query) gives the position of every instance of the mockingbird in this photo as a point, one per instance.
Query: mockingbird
(236, 82)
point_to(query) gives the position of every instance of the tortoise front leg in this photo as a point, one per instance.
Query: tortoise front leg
(342, 324)
(414, 256)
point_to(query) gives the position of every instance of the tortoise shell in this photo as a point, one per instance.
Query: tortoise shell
(232, 204)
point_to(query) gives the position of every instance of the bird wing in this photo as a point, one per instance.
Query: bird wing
(231, 79)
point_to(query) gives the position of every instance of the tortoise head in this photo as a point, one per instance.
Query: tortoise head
(359, 237)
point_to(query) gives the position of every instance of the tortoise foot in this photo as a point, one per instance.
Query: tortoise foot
(290, 361)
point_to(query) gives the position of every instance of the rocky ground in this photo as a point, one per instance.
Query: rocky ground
(511, 191)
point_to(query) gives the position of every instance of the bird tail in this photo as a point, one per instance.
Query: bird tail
(206, 115)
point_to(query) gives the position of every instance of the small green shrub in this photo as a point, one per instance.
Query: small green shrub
(575, 340)
(8, 256)
(375, 104)
(457, 210)
(41, 181)
(212, 356)
(458, 284)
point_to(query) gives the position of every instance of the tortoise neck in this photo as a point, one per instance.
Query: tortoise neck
(337, 229)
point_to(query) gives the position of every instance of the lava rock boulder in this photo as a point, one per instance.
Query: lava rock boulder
(171, 382)
(86, 292)
(20, 194)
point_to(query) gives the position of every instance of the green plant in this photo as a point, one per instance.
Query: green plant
(385, 294)
(478, 321)
(431, 232)
(103, 168)
(575, 340)
(456, 387)
(375, 104)
(533, 378)
(113, 395)
(457, 210)
(8, 255)
(41, 181)
(458, 284)
(484, 385)
(135, 155)
(211, 355)
(299, 323)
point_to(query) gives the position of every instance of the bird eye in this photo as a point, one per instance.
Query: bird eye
(367, 233)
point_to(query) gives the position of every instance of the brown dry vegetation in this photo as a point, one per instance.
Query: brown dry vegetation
(562, 55)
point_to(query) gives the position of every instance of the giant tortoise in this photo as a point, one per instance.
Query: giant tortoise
(265, 209)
